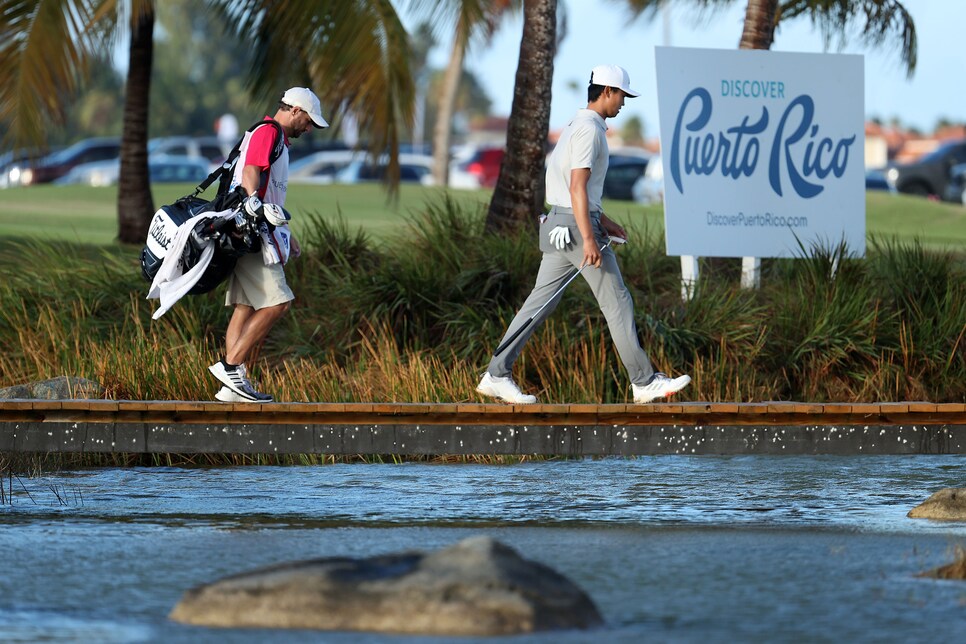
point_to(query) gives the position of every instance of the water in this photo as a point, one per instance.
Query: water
(671, 549)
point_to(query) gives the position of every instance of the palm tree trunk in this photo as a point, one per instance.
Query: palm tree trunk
(759, 27)
(444, 118)
(519, 193)
(135, 205)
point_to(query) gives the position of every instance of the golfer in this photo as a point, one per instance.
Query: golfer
(256, 289)
(575, 234)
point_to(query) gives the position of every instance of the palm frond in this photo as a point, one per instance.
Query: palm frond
(44, 49)
(649, 9)
(354, 54)
(878, 22)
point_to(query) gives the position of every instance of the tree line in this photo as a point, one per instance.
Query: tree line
(358, 56)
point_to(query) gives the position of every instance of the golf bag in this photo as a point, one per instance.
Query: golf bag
(233, 236)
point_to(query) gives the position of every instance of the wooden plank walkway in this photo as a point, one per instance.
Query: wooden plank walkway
(470, 428)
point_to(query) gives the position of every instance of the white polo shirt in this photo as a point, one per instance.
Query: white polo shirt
(582, 144)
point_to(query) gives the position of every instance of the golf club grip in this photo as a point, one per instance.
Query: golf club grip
(513, 337)
(215, 225)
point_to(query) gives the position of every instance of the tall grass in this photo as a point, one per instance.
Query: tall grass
(414, 319)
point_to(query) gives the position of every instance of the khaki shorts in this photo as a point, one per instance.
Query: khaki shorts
(256, 285)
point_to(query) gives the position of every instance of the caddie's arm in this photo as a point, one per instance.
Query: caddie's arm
(578, 199)
(251, 179)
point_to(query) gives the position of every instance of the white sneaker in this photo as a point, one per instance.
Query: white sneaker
(504, 389)
(227, 395)
(236, 380)
(660, 386)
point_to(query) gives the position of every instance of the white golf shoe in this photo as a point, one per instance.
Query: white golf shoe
(660, 386)
(504, 389)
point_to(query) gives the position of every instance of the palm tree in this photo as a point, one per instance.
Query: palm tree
(135, 204)
(45, 49)
(878, 21)
(759, 26)
(519, 192)
(354, 53)
(471, 19)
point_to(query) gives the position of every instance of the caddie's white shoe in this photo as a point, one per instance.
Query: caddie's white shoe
(235, 379)
(504, 389)
(660, 386)
(227, 395)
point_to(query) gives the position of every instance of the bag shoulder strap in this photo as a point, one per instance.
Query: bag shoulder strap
(228, 165)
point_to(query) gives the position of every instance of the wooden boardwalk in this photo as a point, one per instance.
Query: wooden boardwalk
(186, 427)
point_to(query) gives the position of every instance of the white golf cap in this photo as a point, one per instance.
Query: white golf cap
(613, 76)
(304, 98)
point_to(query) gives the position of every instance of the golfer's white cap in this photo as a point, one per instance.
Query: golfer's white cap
(304, 98)
(613, 76)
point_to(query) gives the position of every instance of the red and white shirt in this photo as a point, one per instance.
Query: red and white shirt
(256, 149)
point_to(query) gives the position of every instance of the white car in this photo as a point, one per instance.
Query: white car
(321, 167)
(649, 189)
(413, 168)
(206, 147)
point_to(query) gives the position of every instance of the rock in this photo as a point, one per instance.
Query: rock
(948, 504)
(60, 388)
(476, 587)
(954, 570)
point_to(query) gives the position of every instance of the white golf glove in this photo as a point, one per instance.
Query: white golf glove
(617, 240)
(560, 237)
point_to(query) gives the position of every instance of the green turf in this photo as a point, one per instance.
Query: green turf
(89, 215)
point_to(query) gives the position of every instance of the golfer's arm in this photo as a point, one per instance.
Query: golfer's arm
(578, 199)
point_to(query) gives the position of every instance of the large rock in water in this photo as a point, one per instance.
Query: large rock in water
(60, 388)
(475, 587)
(948, 504)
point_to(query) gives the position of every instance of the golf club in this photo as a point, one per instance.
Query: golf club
(516, 333)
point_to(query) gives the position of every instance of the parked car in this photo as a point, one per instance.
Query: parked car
(930, 174)
(876, 180)
(476, 167)
(413, 168)
(956, 188)
(622, 172)
(60, 163)
(309, 145)
(205, 147)
(649, 188)
(161, 169)
(14, 163)
(321, 167)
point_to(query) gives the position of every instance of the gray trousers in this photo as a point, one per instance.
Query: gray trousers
(605, 282)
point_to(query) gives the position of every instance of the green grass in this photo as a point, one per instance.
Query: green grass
(415, 318)
(89, 215)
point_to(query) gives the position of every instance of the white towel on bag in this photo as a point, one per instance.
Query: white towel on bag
(171, 282)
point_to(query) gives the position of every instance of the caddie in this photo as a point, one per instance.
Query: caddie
(257, 288)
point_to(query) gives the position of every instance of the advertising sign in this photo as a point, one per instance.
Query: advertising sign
(762, 152)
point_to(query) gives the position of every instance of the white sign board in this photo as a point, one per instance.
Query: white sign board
(762, 152)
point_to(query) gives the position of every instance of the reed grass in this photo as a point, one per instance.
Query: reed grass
(414, 319)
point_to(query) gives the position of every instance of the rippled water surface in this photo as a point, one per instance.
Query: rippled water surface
(670, 548)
